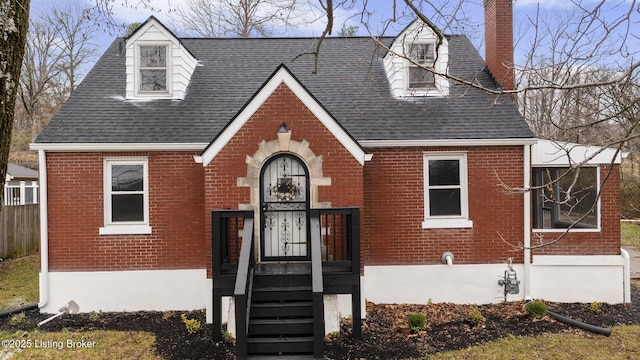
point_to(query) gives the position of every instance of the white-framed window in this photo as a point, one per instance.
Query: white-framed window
(153, 69)
(446, 195)
(418, 77)
(126, 196)
(566, 198)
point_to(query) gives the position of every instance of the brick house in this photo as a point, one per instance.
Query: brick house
(174, 153)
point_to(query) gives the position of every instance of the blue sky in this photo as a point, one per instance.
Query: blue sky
(553, 11)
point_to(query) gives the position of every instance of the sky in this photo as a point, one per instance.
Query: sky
(525, 12)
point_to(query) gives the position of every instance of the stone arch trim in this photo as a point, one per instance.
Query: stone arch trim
(276, 146)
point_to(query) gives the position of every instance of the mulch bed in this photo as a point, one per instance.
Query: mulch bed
(450, 327)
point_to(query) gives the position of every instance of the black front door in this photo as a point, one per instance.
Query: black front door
(284, 205)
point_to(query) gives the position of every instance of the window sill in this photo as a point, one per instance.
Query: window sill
(418, 92)
(447, 223)
(125, 230)
(157, 96)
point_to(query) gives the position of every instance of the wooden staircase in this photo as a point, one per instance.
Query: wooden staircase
(279, 307)
(281, 314)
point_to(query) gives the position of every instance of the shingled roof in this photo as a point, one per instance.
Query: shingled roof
(351, 84)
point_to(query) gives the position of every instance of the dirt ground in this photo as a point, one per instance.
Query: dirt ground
(449, 327)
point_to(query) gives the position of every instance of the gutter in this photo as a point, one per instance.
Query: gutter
(527, 223)
(447, 142)
(44, 231)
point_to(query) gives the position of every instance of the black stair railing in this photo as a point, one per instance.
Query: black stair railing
(243, 288)
(339, 230)
(335, 257)
(226, 241)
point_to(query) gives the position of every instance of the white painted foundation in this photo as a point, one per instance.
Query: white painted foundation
(158, 290)
(420, 284)
(579, 278)
(553, 278)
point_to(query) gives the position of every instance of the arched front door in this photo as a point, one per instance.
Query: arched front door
(284, 205)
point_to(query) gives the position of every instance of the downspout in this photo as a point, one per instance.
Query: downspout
(626, 275)
(44, 231)
(527, 223)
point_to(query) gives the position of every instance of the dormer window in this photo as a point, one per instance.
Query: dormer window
(422, 54)
(153, 69)
(159, 66)
(411, 64)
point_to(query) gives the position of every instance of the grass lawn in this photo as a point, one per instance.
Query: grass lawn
(630, 234)
(126, 345)
(622, 344)
(19, 282)
(19, 286)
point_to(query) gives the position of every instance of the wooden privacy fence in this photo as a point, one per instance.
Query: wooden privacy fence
(19, 234)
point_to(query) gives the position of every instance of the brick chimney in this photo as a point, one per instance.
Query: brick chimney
(498, 35)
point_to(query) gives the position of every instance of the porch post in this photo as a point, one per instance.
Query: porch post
(356, 310)
(217, 313)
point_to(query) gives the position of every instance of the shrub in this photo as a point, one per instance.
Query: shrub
(476, 316)
(226, 336)
(536, 309)
(596, 307)
(94, 316)
(18, 319)
(417, 321)
(192, 325)
(168, 315)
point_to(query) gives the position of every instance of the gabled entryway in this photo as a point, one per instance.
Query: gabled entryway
(285, 247)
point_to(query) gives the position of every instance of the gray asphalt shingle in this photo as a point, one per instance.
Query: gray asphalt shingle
(350, 84)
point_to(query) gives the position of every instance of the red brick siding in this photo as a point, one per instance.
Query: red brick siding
(498, 23)
(222, 173)
(604, 242)
(75, 212)
(394, 208)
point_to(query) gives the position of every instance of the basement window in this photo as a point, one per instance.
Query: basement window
(565, 198)
(126, 197)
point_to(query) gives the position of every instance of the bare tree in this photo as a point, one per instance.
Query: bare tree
(237, 18)
(58, 44)
(568, 83)
(41, 66)
(75, 33)
(14, 23)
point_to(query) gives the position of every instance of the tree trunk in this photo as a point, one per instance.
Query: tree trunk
(14, 24)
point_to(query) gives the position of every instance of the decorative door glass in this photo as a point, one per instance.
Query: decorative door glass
(285, 201)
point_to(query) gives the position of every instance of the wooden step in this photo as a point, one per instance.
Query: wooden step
(282, 327)
(280, 345)
(281, 293)
(280, 357)
(287, 280)
(281, 309)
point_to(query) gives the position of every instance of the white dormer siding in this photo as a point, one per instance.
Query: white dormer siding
(398, 67)
(174, 58)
